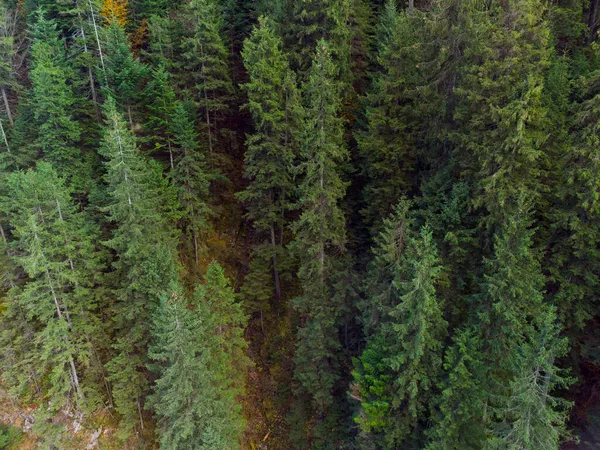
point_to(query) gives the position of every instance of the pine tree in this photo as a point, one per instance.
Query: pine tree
(141, 206)
(56, 248)
(402, 362)
(319, 237)
(275, 108)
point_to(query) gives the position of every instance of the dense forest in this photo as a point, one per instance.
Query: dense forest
(300, 224)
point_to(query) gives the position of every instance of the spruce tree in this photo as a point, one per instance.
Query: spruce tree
(123, 74)
(56, 247)
(199, 355)
(275, 107)
(529, 416)
(309, 23)
(141, 204)
(191, 178)
(388, 144)
(500, 104)
(320, 236)
(52, 101)
(459, 420)
(206, 63)
(398, 370)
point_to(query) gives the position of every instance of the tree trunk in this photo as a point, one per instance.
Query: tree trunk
(4, 137)
(7, 107)
(592, 20)
(195, 245)
(97, 39)
(94, 95)
(139, 405)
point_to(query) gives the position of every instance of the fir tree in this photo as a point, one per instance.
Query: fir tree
(311, 22)
(388, 143)
(123, 73)
(192, 179)
(52, 100)
(529, 416)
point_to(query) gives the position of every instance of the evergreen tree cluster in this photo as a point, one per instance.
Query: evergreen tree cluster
(301, 224)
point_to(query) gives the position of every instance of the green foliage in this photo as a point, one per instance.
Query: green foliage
(142, 205)
(319, 235)
(275, 107)
(52, 100)
(388, 143)
(56, 247)
(122, 74)
(401, 364)
(199, 355)
(208, 80)
(9, 435)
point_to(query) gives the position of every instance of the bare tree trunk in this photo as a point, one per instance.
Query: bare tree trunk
(4, 137)
(97, 39)
(171, 155)
(592, 20)
(130, 117)
(139, 405)
(195, 245)
(94, 95)
(7, 107)
(411, 5)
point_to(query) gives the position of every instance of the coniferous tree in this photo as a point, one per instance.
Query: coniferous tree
(502, 107)
(142, 207)
(11, 44)
(123, 73)
(52, 101)
(310, 22)
(56, 248)
(388, 143)
(197, 350)
(319, 238)
(398, 370)
(206, 64)
(460, 419)
(160, 105)
(530, 417)
(275, 106)
(191, 177)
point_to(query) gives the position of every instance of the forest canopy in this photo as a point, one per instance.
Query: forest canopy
(300, 224)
